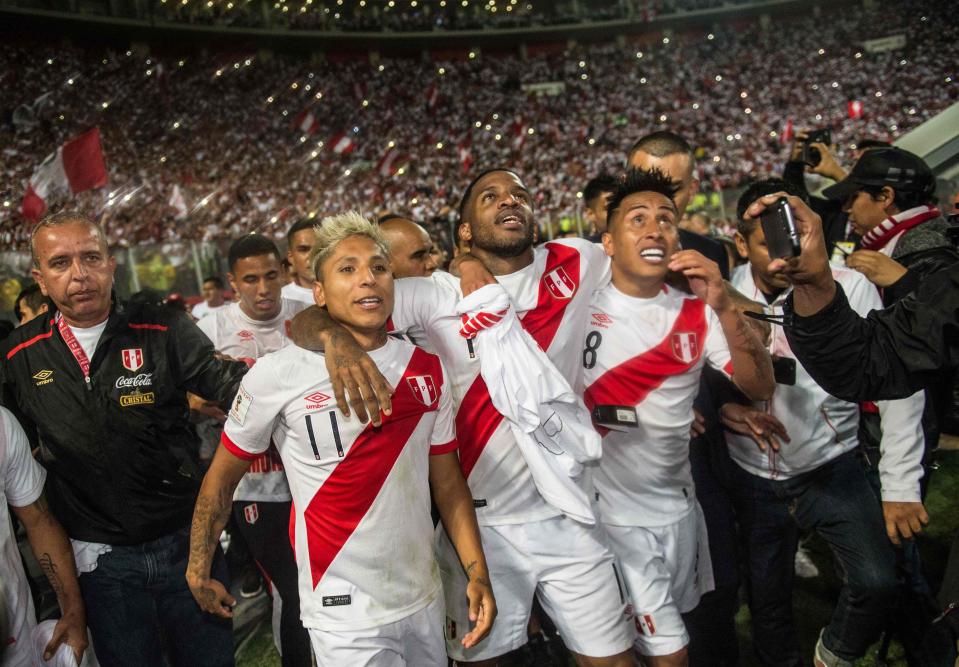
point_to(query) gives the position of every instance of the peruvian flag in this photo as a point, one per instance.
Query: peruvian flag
(74, 167)
(465, 152)
(519, 134)
(432, 96)
(389, 164)
(854, 107)
(359, 90)
(342, 143)
(788, 133)
(178, 203)
(306, 122)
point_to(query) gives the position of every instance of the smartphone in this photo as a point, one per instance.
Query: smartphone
(811, 155)
(784, 370)
(779, 228)
(616, 415)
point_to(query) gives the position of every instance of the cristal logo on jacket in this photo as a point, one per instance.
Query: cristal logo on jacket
(140, 380)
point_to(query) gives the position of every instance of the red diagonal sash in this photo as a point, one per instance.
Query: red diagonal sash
(348, 493)
(476, 418)
(631, 381)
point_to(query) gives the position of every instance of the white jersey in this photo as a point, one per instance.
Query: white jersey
(648, 355)
(294, 292)
(551, 297)
(361, 527)
(821, 426)
(203, 309)
(21, 482)
(236, 335)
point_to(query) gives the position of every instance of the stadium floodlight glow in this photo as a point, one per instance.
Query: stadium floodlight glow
(582, 63)
(772, 133)
(662, 118)
(579, 195)
(269, 100)
(176, 125)
(583, 77)
(858, 54)
(665, 40)
(495, 116)
(284, 113)
(439, 145)
(465, 3)
(441, 71)
(747, 111)
(710, 36)
(49, 61)
(878, 93)
(180, 64)
(948, 79)
(716, 158)
(744, 94)
(401, 171)
(366, 103)
(236, 65)
(477, 124)
(719, 77)
(69, 82)
(347, 172)
(472, 53)
(488, 127)
(498, 136)
(592, 141)
(303, 139)
(639, 54)
(818, 116)
(835, 84)
(6, 203)
(104, 105)
(162, 159)
(314, 154)
(414, 200)
(642, 80)
(893, 127)
(412, 3)
(294, 85)
(822, 52)
(307, 87)
(903, 61)
(391, 144)
(381, 68)
(530, 131)
(219, 72)
(695, 106)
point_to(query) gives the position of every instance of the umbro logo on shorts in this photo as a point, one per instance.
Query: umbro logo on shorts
(336, 600)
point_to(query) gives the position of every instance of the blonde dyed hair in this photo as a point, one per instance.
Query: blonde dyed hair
(336, 228)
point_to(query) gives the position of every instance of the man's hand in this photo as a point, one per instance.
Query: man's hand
(206, 408)
(764, 429)
(705, 279)
(71, 630)
(828, 166)
(698, 427)
(352, 370)
(482, 610)
(809, 272)
(472, 273)
(880, 270)
(212, 596)
(903, 520)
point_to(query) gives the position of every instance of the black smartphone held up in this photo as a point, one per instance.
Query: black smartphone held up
(784, 370)
(810, 155)
(779, 228)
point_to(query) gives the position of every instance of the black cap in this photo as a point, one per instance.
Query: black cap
(899, 169)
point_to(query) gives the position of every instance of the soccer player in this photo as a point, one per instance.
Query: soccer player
(411, 248)
(299, 243)
(212, 298)
(249, 328)
(646, 345)
(595, 196)
(370, 590)
(529, 543)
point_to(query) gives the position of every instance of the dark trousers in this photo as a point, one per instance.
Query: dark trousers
(837, 502)
(266, 532)
(138, 603)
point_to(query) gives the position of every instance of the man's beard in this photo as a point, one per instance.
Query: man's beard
(502, 247)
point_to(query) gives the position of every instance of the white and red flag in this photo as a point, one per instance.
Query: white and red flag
(854, 108)
(178, 203)
(390, 163)
(465, 152)
(306, 122)
(432, 96)
(74, 167)
(788, 133)
(342, 143)
(519, 134)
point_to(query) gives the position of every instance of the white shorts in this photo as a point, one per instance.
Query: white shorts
(567, 565)
(666, 570)
(414, 640)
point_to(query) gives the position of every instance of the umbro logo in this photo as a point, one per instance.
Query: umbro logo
(316, 400)
(43, 377)
(601, 320)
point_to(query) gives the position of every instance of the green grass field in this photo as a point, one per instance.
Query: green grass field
(814, 599)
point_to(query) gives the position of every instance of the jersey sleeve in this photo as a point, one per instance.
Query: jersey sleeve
(717, 349)
(23, 477)
(208, 326)
(254, 413)
(443, 438)
(596, 269)
(416, 302)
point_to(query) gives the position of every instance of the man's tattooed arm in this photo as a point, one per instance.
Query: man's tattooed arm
(752, 365)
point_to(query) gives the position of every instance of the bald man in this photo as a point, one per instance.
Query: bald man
(410, 247)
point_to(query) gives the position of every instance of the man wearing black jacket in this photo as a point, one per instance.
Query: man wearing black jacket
(104, 386)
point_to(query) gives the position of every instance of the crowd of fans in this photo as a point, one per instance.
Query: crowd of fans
(249, 138)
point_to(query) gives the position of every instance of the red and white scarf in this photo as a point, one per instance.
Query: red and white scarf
(877, 237)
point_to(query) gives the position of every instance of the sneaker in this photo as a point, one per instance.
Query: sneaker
(826, 658)
(252, 585)
(805, 567)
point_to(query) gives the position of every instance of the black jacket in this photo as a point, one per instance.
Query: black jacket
(121, 454)
(892, 353)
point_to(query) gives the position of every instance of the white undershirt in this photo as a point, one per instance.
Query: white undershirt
(89, 337)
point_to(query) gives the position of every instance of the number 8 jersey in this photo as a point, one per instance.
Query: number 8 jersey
(647, 355)
(361, 526)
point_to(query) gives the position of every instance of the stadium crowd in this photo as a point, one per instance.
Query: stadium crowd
(233, 131)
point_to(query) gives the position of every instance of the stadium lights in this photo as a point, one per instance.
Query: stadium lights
(303, 139)
(413, 201)
(695, 106)
(401, 171)
(579, 195)
(69, 82)
(743, 95)
(772, 133)
(583, 77)
(381, 68)
(307, 87)
(180, 64)
(472, 54)
(366, 103)
(710, 36)
(642, 80)
(488, 127)
(477, 124)
(592, 141)
(6, 203)
(818, 116)
(441, 71)
(176, 125)
(530, 131)
(162, 159)
(49, 61)
(665, 40)
(439, 145)
(219, 72)
(878, 93)
(858, 54)
(104, 105)
(347, 172)
(747, 111)
(662, 118)
(294, 85)
(719, 77)
(318, 96)
(639, 54)
(269, 100)
(716, 158)
(582, 64)
(835, 84)
(498, 136)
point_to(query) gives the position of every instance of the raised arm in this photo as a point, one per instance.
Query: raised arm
(455, 504)
(51, 546)
(357, 382)
(209, 517)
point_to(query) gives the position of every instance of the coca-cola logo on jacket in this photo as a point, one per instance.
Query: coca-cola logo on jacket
(141, 380)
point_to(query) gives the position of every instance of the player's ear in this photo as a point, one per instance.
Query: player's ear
(230, 278)
(742, 246)
(319, 294)
(466, 233)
